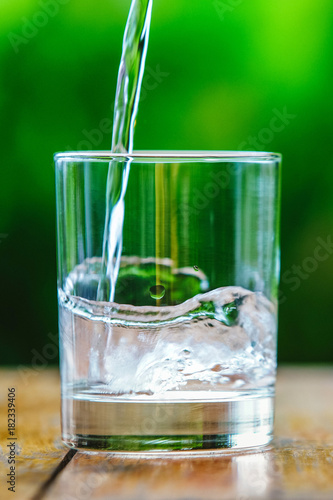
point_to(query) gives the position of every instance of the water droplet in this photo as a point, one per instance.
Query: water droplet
(196, 268)
(157, 292)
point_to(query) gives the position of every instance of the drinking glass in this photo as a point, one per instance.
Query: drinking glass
(168, 271)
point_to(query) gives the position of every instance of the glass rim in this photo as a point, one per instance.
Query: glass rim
(170, 155)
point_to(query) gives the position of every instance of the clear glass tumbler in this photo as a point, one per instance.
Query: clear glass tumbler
(168, 267)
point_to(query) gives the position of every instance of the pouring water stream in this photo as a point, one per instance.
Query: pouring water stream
(131, 69)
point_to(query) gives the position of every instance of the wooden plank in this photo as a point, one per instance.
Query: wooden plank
(298, 466)
(39, 448)
(290, 470)
(304, 404)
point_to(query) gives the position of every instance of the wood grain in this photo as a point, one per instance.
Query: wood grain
(299, 465)
(39, 447)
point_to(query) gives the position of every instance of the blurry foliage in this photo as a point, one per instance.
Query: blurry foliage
(227, 72)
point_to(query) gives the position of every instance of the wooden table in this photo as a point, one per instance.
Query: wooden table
(298, 466)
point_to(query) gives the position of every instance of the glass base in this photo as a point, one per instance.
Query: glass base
(166, 426)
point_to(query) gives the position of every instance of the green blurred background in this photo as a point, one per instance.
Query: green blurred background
(220, 71)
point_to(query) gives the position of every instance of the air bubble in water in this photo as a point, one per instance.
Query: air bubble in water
(157, 292)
